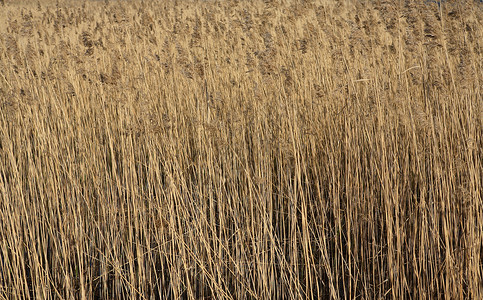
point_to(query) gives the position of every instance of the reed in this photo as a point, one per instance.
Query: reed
(241, 149)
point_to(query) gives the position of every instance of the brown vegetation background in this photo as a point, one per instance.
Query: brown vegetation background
(241, 149)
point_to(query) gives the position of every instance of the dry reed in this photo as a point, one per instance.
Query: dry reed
(241, 149)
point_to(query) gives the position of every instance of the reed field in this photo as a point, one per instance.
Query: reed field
(221, 149)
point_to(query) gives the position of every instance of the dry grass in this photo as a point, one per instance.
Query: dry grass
(241, 150)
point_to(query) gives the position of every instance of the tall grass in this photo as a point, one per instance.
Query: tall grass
(241, 150)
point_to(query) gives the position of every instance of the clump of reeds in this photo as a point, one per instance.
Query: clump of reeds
(239, 150)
